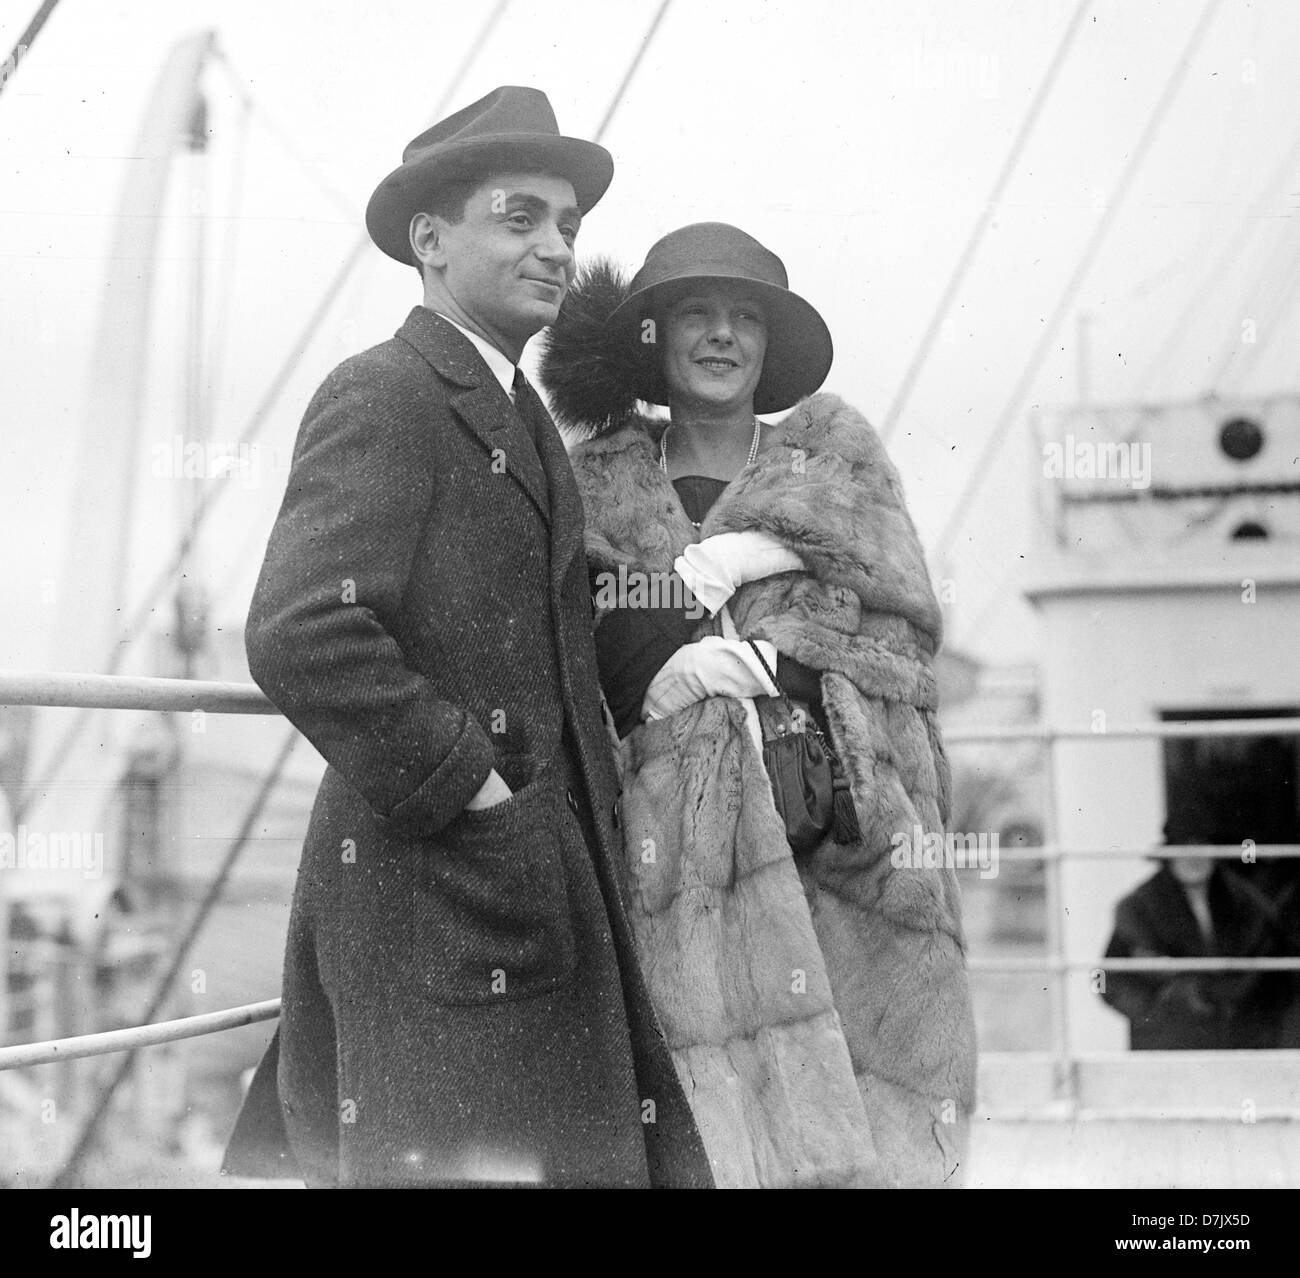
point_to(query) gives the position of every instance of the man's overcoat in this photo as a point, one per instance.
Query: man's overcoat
(461, 1003)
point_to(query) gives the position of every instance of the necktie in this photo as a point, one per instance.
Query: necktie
(1199, 903)
(534, 417)
(526, 405)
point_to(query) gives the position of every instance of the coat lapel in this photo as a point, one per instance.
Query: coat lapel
(480, 404)
(488, 412)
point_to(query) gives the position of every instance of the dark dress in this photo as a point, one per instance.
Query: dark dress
(632, 644)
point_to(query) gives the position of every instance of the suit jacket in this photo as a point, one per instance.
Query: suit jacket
(1185, 1011)
(461, 1003)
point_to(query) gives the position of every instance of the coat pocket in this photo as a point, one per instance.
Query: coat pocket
(492, 918)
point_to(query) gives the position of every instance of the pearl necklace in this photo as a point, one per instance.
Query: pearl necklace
(663, 447)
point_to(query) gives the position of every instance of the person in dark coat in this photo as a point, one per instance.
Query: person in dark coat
(1197, 907)
(461, 1003)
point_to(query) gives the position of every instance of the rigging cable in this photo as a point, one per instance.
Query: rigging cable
(162, 582)
(220, 339)
(963, 504)
(63, 1179)
(1195, 304)
(616, 101)
(342, 201)
(142, 614)
(1246, 305)
(1242, 356)
(90, 1128)
(1230, 256)
(23, 46)
(1009, 166)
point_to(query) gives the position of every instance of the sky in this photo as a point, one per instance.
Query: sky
(859, 141)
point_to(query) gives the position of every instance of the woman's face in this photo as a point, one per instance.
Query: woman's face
(714, 342)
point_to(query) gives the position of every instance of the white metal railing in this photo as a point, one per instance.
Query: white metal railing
(1054, 962)
(130, 692)
(127, 692)
(128, 1039)
(1190, 728)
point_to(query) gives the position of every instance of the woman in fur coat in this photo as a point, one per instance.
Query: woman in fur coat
(816, 1004)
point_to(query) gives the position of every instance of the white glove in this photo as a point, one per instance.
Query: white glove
(710, 667)
(716, 567)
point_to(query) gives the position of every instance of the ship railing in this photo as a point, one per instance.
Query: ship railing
(127, 692)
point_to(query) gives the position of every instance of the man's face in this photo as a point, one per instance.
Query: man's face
(508, 263)
(714, 346)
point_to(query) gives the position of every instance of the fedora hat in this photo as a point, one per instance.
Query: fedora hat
(511, 127)
(799, 348)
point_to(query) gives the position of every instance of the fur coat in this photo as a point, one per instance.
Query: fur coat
(817, 1012)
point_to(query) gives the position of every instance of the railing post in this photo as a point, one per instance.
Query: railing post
(1064, 1079)
(4, 936)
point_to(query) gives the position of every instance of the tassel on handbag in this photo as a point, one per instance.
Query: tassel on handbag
(809, 784)
(844, 824)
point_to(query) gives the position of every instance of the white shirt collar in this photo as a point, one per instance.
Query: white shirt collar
(502, 369)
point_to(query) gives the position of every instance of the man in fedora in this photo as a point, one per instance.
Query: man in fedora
(461, 1005)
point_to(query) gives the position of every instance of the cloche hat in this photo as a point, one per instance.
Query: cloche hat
(799, 348)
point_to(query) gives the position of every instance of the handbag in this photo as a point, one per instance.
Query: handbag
(809, 785)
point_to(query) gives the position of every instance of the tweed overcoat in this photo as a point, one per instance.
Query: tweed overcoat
(818, 1010)
(460, 999)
